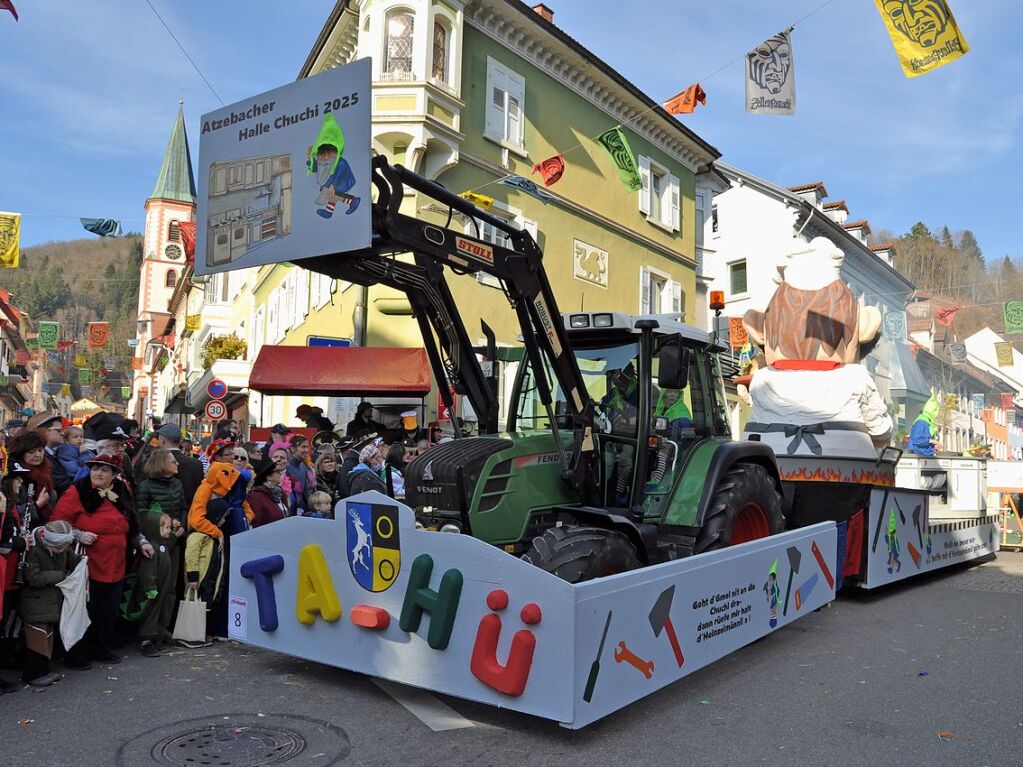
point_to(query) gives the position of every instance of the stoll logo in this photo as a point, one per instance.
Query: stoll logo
(475, 249)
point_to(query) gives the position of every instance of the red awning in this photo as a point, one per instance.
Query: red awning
(330, 371)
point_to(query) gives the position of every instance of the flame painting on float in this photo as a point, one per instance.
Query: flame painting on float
(285, 175)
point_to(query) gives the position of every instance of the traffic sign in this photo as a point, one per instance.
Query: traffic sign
(217, 389)
(215, 410)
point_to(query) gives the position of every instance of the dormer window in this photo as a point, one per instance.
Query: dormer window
(398, 50)
(441, 40)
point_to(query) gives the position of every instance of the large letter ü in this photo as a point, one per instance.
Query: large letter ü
(511, 677)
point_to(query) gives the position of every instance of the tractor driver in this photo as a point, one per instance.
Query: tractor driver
(621, 403)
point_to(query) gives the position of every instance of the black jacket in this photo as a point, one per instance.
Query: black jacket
(362, 480)
(190, 473)
(348, 462)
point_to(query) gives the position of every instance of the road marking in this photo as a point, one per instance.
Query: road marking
(431, 711)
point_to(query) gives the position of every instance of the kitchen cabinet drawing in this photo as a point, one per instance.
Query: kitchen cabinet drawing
(249, 205)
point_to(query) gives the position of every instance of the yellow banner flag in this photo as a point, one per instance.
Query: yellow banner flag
(65, 390)
(924, 33)
(479, 200)
(81, 360)
(193, 322)
(10, 235)
(1003, 353)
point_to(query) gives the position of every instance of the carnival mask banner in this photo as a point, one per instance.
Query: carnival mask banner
(1013, 311)
(301, 154)
(10, 237)
(479, 200)
(685, 102)
(84, 376)
(193, 322)
(1003, 353)
(771, 77)
(81, 360)
(737, 336)
(924, 33)
(125, 392)
(104, 227)
(99, 335)
(1007, 401)
(529, 187)
(65, 390)
(551, 169)
(957, 353)
(977, 400)
(894, 326)
(49, 335)
(624, 160)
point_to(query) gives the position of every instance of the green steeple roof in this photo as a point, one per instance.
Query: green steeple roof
(175, 181)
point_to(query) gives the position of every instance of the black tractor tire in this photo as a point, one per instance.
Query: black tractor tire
(577, 554)
(746, 506)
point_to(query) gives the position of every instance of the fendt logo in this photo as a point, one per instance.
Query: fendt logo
(475, 249)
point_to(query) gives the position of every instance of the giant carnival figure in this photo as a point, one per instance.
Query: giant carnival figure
(814, 403)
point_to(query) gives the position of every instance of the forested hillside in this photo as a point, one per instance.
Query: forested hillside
(77, 282)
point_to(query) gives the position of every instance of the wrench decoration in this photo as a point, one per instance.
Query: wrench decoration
(623, 653)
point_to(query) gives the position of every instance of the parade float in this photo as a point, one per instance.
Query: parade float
(612, 538)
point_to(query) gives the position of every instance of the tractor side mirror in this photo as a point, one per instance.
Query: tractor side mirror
(673, 372)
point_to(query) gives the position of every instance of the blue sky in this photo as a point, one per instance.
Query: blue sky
(91, 90)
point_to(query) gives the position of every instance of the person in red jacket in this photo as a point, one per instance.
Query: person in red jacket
(99, 508)
(267, 499)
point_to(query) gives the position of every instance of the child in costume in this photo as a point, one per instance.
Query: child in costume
(332, 171)
(204, 560)
(156, 578)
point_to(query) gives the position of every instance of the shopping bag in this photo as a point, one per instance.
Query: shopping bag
(191, 623)
(74, 615)
(39, 638)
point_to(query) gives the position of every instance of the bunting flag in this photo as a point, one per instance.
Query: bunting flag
(624, 160)
(685, 102)
(86, 391)
(84, 376)
(104, 227)
(109, 362)
(1003, 353)
(99, 335)
(737, 337)
(551, 169)
(951, 401)
(22, 357)
(1007, 399)
(61, 370)
(62, 345)
(125, 392)
(8, 5)
(4, 380)
(81, 360)
(136, 363)
(32, 343)
(193, 322)
(978, 401)
(1013, 311)
(957, 353)
(479, 200)
(51, 387)
(49, 335)
(527, 186)
(187, 229)
(132, 343)
(65, 390)
(894, 326)
(945, 316)
(10, 235)
(924, 33)
(771, 77)
(51, 356)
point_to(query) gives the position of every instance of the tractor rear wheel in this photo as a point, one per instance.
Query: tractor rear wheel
(578, 554)
(746, 507)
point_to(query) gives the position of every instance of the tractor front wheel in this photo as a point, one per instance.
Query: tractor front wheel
(746, 507)
(578, 554)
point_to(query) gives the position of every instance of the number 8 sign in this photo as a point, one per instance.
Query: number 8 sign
(215, 410)
(238, 618)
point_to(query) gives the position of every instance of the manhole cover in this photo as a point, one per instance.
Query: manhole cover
(239, 740)
(237, 746)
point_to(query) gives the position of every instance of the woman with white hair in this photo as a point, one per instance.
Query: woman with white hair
(366, 474)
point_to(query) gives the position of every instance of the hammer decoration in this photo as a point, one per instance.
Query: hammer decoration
(660, 618)
(794, 556)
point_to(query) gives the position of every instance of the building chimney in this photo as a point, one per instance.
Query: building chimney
(544, 11)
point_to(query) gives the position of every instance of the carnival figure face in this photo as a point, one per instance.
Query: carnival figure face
(770, 64)
(922, 21)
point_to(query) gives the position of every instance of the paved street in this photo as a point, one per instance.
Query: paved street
(842, 687)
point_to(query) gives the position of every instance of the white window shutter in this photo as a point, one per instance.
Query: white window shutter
(673, 191)
(644, 291)
(497, 97)
(529, 226)
(676, 297)
(303, 294)
(644, 192)
(516, 108)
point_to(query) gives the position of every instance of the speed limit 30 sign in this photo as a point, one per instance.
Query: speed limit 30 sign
(215, 410)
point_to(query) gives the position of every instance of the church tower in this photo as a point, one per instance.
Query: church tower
(173, 200)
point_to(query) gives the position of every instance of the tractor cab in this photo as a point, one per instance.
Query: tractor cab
(657, 393)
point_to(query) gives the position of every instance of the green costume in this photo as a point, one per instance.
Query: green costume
(156, 577)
